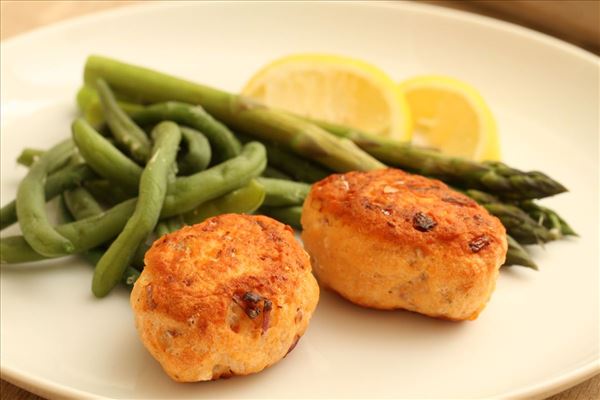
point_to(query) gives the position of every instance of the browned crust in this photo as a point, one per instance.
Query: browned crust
(198, 270)
(394, 206)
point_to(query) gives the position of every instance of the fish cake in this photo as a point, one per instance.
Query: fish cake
(229, 296)
(388, 239)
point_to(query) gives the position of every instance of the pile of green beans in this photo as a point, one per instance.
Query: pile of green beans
(152, 192)
(131, 173)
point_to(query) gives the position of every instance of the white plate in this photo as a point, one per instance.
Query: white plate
(538, 335)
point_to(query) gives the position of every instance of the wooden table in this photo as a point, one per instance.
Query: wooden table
(575, 21)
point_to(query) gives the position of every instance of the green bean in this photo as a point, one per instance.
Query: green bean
(94, 115)
(107, 226)
(15, 250)
(194, 190)
(29, 156)
(84, 234)
(64, 214)
(66, 178)
(105, 159)
(56, 183)
(224, 143)
(288, 215)
(29, 254)
(284, 193)
(31, 201)
(86, 96)
(198, 153)
(129, 276)
(124, 130)
(246, 199)
(81, 203)
(8, 214)
(76, 159)
(298, 168)
(172, 224)
(107, 192)
(138, 258)
(187, 192)
(91, 107)
(153, 189)
(162, 228)
(272, 172)
(190, 191)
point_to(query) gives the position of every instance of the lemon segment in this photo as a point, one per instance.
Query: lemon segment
(451, 116)
(336, 89)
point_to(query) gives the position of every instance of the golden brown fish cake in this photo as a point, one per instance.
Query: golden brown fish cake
(388, 239)
(229, 296)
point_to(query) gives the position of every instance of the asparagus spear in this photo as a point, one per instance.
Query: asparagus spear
(517, 222)
(517, 255)
(520, 225)
(238, 112)
(298, 168)
(306, 139)
(543, 216)
(493, 177)
(547, 217)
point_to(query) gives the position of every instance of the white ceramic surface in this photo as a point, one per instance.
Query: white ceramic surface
(540, 332)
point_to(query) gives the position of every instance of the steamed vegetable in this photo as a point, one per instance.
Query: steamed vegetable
(31, 202)
(152, 193)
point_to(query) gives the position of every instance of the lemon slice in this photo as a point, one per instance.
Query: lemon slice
(452, 116)
(336, 89)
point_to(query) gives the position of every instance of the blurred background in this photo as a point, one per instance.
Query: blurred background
(574, 21)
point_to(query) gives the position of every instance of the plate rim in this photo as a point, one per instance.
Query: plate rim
(44, 387)
(555, 385)
(403, 4)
